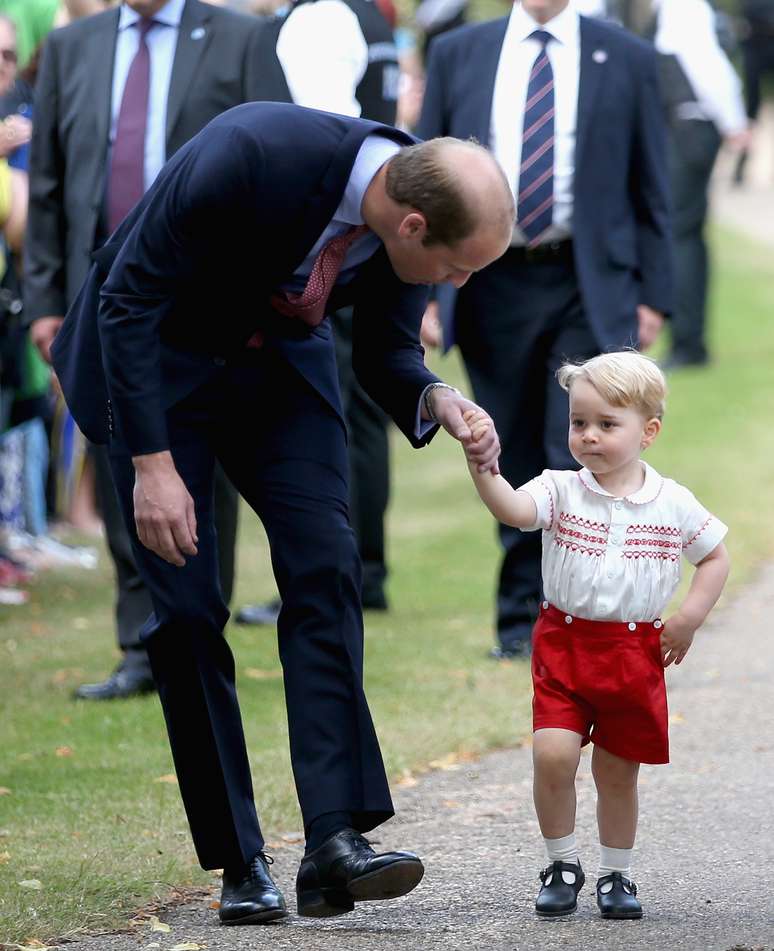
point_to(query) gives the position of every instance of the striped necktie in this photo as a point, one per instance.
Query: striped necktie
(536, 174)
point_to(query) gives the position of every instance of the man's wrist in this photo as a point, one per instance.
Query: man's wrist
(153, 461)
(427, 400)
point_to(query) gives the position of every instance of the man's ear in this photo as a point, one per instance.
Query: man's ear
(413, 226)
(650, 430)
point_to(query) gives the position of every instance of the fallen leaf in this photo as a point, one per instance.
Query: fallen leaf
(5, 791)
(292, 837)
(80, 623)
(256, 673)
(450, 761)
(676, 718)
(37, 945)
(32, 883)
(4, 857)
(167, 778)
(214, 905)
(188, 946)
(62, 751)
(451, 804)
(156, 925)
(407, 781)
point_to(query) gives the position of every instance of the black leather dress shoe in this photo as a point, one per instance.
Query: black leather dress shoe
(120, 685)
(621, 901)
(345, 869)
(249, 895)
(556, 896)
(259, 614)
(520, 649)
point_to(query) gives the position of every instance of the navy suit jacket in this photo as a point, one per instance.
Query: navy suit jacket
(186, 279)
(621, 215)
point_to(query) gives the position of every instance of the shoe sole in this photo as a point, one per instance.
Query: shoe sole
(630, 917)
(391, 882)
(259, 918)
(556, 914)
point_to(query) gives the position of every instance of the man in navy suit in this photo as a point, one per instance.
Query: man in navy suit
(570, 107)
(199, 335)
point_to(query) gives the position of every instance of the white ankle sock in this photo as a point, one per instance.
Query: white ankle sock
(614, 860)
(564, 849)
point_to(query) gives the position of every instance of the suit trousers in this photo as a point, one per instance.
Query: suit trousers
(284, 449)
(516, 322)
(694, 148)
(369, 470)
(133, 602)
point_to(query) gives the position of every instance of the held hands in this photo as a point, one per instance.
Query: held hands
(163, 509)
(676, 639)
(649, 324)
(448, 407)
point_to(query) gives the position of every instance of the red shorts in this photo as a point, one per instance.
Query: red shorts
(604, 680)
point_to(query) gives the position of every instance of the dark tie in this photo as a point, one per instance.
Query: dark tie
(536, 174)
(309, 305)
(126, 185)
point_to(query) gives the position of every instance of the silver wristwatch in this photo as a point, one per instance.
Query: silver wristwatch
(428, 390)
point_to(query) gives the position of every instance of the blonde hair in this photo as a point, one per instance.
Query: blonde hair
(624, 378)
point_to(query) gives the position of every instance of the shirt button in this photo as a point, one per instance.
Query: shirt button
(545, 605)
(568, 619)
(632, 626)
(610, 574)
(658, 625)
(618, 505)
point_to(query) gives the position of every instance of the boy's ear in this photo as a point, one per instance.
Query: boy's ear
(650, 430)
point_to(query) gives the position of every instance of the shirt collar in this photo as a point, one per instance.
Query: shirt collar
(648, 492)
(564, 27)
(374, 152)
(170, 15)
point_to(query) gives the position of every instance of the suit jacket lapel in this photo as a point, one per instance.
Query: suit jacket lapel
(593, 57)
(101, 73)
(193, 38)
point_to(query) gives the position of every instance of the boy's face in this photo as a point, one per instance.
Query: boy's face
(605, 438)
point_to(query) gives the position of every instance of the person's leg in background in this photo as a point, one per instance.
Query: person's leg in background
(694, 149)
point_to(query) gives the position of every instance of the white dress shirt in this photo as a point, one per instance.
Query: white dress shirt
(162, 43)
(324, 56)
(686, 29)
(510, 94)
(617, 559)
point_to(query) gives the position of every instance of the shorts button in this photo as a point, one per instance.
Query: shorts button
(632, 626)
(658, 625)
(568, 619)
(545, 605)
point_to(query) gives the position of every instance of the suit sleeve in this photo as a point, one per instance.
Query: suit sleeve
(433, 120)
(203, 190)
(44, 249)
(650, 184)
(387, 355)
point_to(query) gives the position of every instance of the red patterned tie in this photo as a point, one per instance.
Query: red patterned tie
(309, 305)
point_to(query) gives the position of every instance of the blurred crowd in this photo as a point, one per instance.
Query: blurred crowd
(350, 56)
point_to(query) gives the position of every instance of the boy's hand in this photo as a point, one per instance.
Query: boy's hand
(478, 422)
(676, 639)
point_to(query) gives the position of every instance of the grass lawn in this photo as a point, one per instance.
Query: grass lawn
(90, 821)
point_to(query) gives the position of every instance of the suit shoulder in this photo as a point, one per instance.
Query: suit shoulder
(232, 20)
(84, 29)
(462, 37)
(616, 37)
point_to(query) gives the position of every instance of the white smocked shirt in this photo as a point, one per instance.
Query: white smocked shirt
(617, 559)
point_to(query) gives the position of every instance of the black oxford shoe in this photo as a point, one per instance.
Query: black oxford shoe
(621, 901)
(250, 896)
(345, 869)
(120, 685)
(259, 614)
(556, 896)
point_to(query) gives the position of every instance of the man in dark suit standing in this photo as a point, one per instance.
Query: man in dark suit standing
(118, 94)
(200, 334)
(570, 108)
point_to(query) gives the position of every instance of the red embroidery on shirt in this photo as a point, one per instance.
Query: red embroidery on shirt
(701, 530)
(653, 530)
(661, 555)
(583, 522)
(655, 542)
(571, 533)
(580, 549)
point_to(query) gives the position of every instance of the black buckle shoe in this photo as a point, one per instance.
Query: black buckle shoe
(621, 901)
(345, 869)
(557, 897)
(249, 895)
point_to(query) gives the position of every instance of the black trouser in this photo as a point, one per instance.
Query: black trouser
(369, 463)
(516, 322)
(133, 602)
(693, 149)
(290, 465)
(758, 57)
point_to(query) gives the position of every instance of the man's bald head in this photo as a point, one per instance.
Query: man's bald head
(456, 185)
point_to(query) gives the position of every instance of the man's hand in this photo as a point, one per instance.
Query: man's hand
(676, 638)
(430, 332)
(449, 407)
(42, 333)
(15, 130)
(650, 323)
(163, 508)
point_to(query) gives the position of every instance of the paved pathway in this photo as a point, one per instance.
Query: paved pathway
(705, 857)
